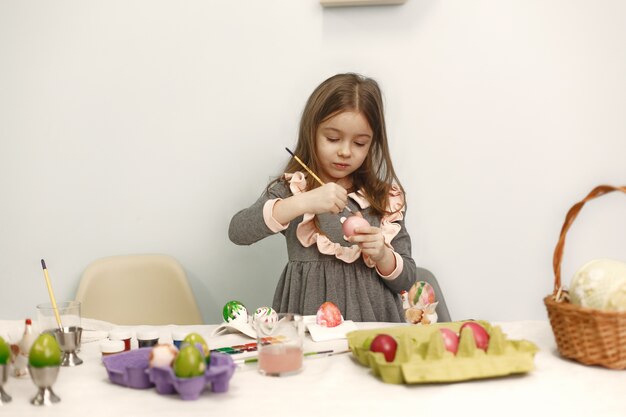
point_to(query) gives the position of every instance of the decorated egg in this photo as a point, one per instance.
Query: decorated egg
(351, 223)
(600, 284)
(195, 339)
(481, 337)
(189, 362)
(421, 294)
(265, 315)
(5, 352)
(45, 351)
(328, 315)
(235, 311)
(450, 340)
(162, 355)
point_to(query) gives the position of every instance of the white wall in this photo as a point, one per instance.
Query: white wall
(143, 126)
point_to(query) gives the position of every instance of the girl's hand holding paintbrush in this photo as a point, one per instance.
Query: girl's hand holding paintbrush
(328, 198)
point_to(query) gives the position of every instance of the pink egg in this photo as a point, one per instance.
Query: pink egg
(352, 223)
(328, 315)
(450, 340)
(481, 337)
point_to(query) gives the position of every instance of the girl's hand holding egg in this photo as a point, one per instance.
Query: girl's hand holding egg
(369, 238)
(350, 224)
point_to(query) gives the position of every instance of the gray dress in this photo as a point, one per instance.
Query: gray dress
(311, 277)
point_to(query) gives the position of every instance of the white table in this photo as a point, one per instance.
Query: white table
(339, 386)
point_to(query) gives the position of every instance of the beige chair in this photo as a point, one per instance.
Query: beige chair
(137, 289)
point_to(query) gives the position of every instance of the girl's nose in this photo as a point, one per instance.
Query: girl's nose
(344, 150)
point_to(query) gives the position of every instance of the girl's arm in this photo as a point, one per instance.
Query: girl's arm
(401, 252)
(329, 198)
(249, 225)
(395, 266)
(273, 211)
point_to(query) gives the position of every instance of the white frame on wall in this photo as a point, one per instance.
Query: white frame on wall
(340, 3)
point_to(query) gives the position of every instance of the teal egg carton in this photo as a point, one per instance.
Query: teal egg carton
(422, 358)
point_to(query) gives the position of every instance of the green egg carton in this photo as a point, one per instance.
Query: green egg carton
(422, 358)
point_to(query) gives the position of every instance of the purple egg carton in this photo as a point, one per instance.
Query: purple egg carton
(132, 369)
(218, 375)
(129, 368)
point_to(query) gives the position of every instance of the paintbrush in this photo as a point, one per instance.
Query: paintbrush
(51, 294)
(322, 353)
(311, 172)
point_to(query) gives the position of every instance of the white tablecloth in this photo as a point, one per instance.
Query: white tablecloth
(336, 386)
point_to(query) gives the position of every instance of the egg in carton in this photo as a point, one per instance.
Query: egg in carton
(424, 354)
(162, 355)
(155, 367)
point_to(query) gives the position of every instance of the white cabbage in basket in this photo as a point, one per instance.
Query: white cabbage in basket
(600, 284)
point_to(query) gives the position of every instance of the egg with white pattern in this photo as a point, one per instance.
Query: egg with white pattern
(265, 315)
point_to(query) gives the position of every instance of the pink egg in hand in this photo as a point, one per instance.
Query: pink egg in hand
(353, 222)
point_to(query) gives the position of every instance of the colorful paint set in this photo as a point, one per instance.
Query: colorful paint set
(249, 347)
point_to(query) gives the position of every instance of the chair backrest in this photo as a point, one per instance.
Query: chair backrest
(137, 289)
(443, 314)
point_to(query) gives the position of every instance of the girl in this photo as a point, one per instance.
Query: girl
(343, 140)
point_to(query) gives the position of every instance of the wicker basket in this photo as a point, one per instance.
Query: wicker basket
(589, 336)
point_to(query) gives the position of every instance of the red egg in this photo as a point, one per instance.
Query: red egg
(329, 315)
(386, 345)
(352, 223)
(480, 334)
(450, 340)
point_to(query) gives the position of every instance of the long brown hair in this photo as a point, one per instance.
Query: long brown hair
(349, 92)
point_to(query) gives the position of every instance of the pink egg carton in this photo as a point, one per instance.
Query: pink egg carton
(132, 369)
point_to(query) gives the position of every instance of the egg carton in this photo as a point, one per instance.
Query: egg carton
(132, 369)
(422, 358)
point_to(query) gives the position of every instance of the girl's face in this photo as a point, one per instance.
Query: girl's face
(342, 143)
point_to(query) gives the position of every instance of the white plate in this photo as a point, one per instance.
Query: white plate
(323, 333)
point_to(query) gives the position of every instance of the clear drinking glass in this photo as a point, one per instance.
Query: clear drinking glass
(69, 312)
(69, 336)
(279, 345)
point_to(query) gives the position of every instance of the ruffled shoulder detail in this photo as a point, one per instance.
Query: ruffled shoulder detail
(297, 182)
(396, 206)
(309, 235)
(388, 224)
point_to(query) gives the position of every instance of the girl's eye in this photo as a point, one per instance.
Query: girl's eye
(332, 139)
(359, 144)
